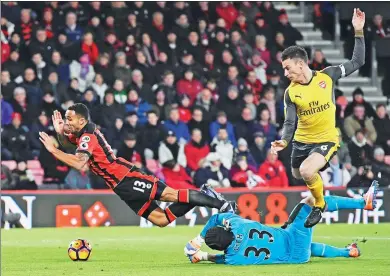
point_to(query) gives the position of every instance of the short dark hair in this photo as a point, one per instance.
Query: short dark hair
(80, 109)
(295, 52)
(218, 238)
(380, 105)
(152, 111)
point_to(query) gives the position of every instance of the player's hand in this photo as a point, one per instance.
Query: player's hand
(358, 19)
(191, 248)
(278, 146)
(58, 122)
(47, 141)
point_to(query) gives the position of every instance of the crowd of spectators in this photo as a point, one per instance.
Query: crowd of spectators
(192, 92)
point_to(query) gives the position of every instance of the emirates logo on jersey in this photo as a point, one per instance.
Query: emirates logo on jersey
(322, 84)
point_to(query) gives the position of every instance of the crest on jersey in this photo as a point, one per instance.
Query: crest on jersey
(322, 84)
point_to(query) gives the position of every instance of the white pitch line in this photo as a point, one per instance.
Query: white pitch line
(345, 238)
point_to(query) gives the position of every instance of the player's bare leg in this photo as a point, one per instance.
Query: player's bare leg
(309, 172)
(186, 199)
(296, 174)
(158, 217)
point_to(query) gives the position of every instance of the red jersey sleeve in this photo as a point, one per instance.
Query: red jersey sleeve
(87, 143)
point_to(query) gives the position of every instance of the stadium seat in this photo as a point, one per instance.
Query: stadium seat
(387, 159)
(33, 164)
(11, 164)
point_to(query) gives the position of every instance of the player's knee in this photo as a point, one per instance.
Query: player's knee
(306, 173)
(161, 222)
(169, 195)
(296, 174)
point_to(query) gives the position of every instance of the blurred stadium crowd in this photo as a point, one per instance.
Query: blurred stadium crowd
(192, 92)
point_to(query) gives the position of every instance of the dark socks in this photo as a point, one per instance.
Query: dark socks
(177, 210)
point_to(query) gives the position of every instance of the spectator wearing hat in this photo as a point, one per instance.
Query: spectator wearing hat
(170, 149)
(261, 27)
(189, 85)
(223, 146)
(198, 122)
(56, 87)
(136, 103)
(380, 169)
(359, 150)
(179, 128)
(15, 139)
(266, 126)
(244, 174)
(232, 105)
(89, 47)
(359, 120)
(243, 150)
(344, 157)
(206, 102)
(83, 71)
(129, 149)
(6, 112)
(72, 30)
(291, 34)
(15, 67)
(358, 99)
(21, 106)
(42, 123)
(212, 173)
(222, 122)
(211, 70)
(58, 65)
(196, 150)
(258, 149)
(109, 111)
(152, 134)
(228, 12)
(42, 45)
(382, 123)
(7, 85)
(319, 62)
(273, 172)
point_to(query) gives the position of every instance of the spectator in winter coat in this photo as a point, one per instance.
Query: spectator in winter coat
(382, 123)
(228, 12)
(32, 86)
(89, 47)
(243, 174)
(42, 45)
(258, 150)
(241, 50)
(160, 105)
(319, 62)
(242, 150)
(82, 71)
(144, 89)
(264, 125)
(244, 127)
(189, 85)
(253, 84)
(380, 169)
(233, 79)
(335, 175)
(72, 30)
(360, 150)
(197, 122)
(6, 112)
(122, 70)
(49, 104)
(223, 146)
(273, 172)
(100, 87)
(56, 87)
(206, 101)
(358, 99)
(261, 27)
(104, 68)
(184, 108)
(261, 49)
(176, 176)
(16, 66)
(109, 111)
(60, 66)
(232, 104)
(171, 150)
(179, 128)
(115, 134)
(21, 106)
(359, 120)
(137, 104)
(152, 134)
(268, 102)
(15, 138)
(249, 101)
(40, 66)
(129, 150)
(291, 34)
(7, 86)
(158, 29)
(131, 124)
(150, 49)
(196, 150)
(212, 173)
(41, 124)
(223, 122)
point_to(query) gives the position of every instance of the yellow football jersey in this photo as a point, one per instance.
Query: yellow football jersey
(316, 110)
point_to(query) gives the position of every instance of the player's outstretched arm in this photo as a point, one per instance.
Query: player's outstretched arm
(358, 56)
(77, 161)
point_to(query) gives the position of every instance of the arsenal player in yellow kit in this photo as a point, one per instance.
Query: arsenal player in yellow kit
(310, 97)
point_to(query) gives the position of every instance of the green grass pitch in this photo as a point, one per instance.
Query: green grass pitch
(153, 251)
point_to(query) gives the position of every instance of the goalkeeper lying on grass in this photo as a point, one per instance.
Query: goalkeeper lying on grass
(247, 242)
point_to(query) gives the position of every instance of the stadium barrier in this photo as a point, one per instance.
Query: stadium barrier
(66, 208)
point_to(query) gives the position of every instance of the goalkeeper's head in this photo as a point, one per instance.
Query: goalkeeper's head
(218, 238)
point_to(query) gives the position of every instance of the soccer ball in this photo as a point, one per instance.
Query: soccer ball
(79, 250)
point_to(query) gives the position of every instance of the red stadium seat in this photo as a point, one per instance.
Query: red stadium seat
(11, 164)
(33, 164)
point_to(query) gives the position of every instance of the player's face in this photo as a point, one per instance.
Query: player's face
(293, 69)
(73, 122)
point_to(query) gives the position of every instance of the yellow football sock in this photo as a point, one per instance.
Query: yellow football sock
(316, 187)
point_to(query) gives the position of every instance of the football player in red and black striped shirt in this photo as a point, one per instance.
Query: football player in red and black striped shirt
(138, 189)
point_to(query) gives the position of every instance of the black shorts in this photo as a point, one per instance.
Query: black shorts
(301, 151)
(140, 194)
